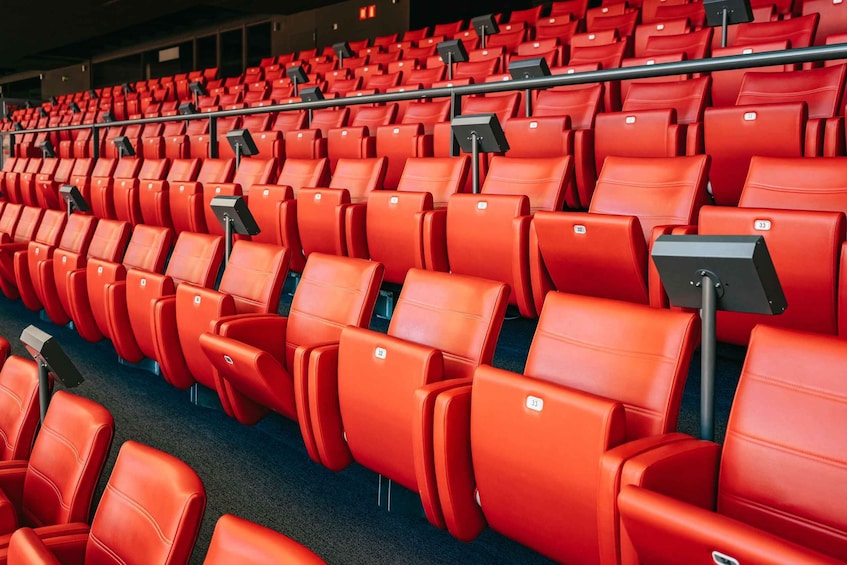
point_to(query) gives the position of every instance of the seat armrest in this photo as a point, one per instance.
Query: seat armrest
(321, 360)
(355, 231)
(426, 398)
(611, 467)
(435, 240)
(263, 331)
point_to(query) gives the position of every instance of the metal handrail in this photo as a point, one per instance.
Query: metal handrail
(770, 58)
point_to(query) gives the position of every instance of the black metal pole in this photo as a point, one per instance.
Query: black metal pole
(475, 164)
(237, 155)
(43, 388)
(482, 32)
(227, 240)
(294, 81)
(724, 26)
(707, 357)
(213, 137)
(70, 207)
(449, 65)
(528, 94)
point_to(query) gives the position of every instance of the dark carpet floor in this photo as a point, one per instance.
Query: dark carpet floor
(263, 473)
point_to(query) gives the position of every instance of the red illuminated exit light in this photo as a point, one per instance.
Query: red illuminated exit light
(367, 12)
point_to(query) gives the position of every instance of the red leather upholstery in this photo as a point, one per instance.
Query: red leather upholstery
(400, 142)
(261, 360)
(322, 213)
(250, 172)
(688, 98)
(152, 507)
(186, 198)
(733, 135)
(238, 541)
(108, 244)
(148, 249)
(833, 18)
(355, 142)
(127, 191)
(26, 549)
(47, 184)
(605, 252)
(798, 32)
(487, 234)
(646, 133)
(798, 207)
(196, 259)
(443, 327)
(154, 194)
(501, 438)
(56, 486)
(766, 507)
(25, 230)
(726, 84)
(821, 90)
(395, 223)
(648, 30)
(694, 44)
(27, 179)
(19, 408)
(101, 198)
(251, 284)
(40, 248)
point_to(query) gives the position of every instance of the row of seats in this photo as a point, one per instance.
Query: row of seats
(457, 431)
(523, 238)
(777, 113)
(48, 485)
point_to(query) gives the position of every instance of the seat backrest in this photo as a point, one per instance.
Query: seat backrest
(184, 170)
(505, 106)
(50, 229)
(126, 168)
(440, 176)
(798, 31)
(216, 170)
(196, 258)
(657, 190)
(459, 315)
(359, 176)
(153, 169)
(238, 541)
(152, 506)
(796, 184)
(427, 113)
(78, 233)
(632, 353)
(254, 276)
(373, 117)
(148, 248)
(298, 173)
(19, 408)
(27, 224)
(543, 180)
(580, 104)
(333, 292)
(289, 121)
(821, 89)
(786, 422)
(109, 241)
(328, 119)
(253, 171)
(687, 97)
(66, 462)
(609, 55)
(695, 44)
(104, 167)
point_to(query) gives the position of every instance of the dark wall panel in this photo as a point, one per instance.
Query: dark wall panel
(66, 80)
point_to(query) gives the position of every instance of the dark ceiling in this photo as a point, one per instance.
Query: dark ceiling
(46, 34)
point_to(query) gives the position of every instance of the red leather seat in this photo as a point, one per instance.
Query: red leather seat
(535, 456)
(99, 196)
(443, 327)
(262, 360)
(19, 406)
(236, 540)
(644, 32)
(605, 252)
(47, 184)
(152, 506)
(251, 284)
(769, 494)
(396, 220)
(25, 231)
(151, 314)
(726, 84)
(107, 292)
(694, 44)
(356, 141)
(12, 180)
(325, 218)
(26, 180)
(821, 89)
(154, 194)
(127, 191)
(41, 247)
(108, 244)
(186, 198)
(50, 290)
(487, 234)
(798, 206)
(53, 490)
(250, 172)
